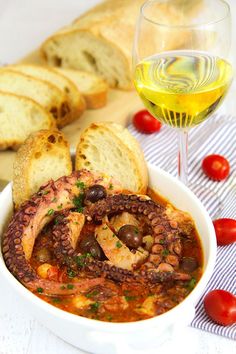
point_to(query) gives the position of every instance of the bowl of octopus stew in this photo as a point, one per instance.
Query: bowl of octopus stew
(103, 268)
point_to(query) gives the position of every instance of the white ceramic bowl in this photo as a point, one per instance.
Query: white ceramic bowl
(108, 338)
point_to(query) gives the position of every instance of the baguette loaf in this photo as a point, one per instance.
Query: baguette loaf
(74, 97)
(46, 94)
(108, 147)
(44, 155)
(93, 88)
(101, 40)
(19, 117)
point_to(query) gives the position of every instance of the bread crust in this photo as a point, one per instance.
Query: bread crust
(51, 123)
(74, 97)
(58, 101)
(96, 97)
(96, 100)
(37, 145)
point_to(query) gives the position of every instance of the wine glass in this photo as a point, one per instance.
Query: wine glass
(179, 63)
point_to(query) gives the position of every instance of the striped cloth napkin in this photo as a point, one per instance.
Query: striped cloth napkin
(215, 136)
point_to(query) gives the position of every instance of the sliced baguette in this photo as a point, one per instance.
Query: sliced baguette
(110, 148)
(48, 95)
(100, 41)
(44, 155)
(93, 87)
(65, 84)
(19, 117)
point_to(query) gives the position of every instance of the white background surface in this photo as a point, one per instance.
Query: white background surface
(23, 26)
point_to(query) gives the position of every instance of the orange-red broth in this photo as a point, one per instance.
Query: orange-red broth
(124, 302)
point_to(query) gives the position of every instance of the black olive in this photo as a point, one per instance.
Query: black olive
(96, 251)
(90, 245)
(131, 236)
(189, 264)
(95, 193)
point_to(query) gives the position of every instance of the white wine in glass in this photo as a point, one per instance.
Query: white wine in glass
(180, 63)
(182, 88)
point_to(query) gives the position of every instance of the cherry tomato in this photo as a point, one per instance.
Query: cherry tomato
(53, 273)
(220, 306)
(144, 122)
(216, 167)
(225, 231)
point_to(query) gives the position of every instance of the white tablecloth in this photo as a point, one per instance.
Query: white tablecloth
(19, 332)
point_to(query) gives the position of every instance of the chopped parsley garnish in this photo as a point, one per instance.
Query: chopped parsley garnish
(118, 244)
(70, 286)
(44, 192)
(109, 317)
(161, 241)
(40, 290)
(130, 298)
(63, 287)
(56, 221)
(110, 186)
(59, 206)
(191, 284)
(136, 230)
(75, 223)
(81, 260)
(54, 200)
(165, 252)
(71, 273)
(50, 212)
(93, 293)
(78, 202)
(80, 210)
(94, 307)
(105, 228)
(56, 300)
(80, 184)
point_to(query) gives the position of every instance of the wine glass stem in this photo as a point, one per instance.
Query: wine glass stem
(183, 156)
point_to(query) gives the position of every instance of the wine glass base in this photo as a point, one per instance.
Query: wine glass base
(210, 199)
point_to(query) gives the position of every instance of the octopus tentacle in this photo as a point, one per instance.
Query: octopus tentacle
(33, 215)
(165, 234)
(115, 204)
(68, 227)
(52, 288)
(99, 268)
(56, 199)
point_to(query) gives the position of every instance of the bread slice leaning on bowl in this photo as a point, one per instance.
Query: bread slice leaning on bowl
(63, 83)
(93, 88)
(46, 94)
(108, 147)
(19, 117)
(45, 155)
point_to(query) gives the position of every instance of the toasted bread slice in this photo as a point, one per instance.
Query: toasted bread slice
(93, 87)
(44, 155)
(48, 95)
(110, 148)
(19, 117)
(75, 99)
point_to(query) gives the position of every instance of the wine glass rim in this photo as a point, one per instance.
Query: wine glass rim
(147, 2)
